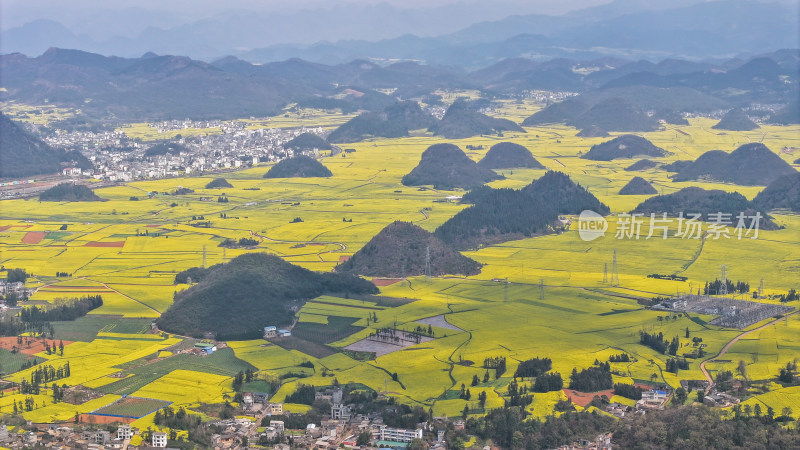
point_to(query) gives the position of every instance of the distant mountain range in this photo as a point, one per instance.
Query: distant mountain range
(622, 28)
(157, 87)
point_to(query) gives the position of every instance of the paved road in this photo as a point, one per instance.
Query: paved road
(729, 344)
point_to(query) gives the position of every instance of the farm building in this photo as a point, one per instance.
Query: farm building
(124, 432)
(206, 347)
(270, 332)
(390, 434)
(652, 398)
(275, 408)
(284, 333)
(159, 439)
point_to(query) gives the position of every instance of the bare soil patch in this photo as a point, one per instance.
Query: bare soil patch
(33, 237)
(439, 321)
(29, 346)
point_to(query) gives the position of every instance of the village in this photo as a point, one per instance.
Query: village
(116, 157)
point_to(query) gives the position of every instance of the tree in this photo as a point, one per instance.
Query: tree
(786, 412)
(465, 413)
(475, 380)
(687, 332)
(742, 369)
(364, 438)
(416, 444)
(486, 377)
(701, 395)
(680, 396)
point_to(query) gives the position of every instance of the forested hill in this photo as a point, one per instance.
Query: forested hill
(499, 215)
(625, 146)
(307, 141)
(68, 192)
(696, 200)
(445, 166)
(395, 120)
(299, 166)
(751, 164)
(507, 155)
(462, 121)
(237, 299)
(783, 193)
(400, 250)
(23, 155)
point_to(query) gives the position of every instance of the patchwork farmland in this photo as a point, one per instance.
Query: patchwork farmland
(538, 296)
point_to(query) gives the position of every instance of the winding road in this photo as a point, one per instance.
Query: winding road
(730, 344)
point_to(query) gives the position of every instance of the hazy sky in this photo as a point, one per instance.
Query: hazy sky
(132, 16)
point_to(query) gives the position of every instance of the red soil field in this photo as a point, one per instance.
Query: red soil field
(33, 237)
(89, 418)
(344, 258)
(105, 244)
(36, 345)
(380, 282)
(584, 398)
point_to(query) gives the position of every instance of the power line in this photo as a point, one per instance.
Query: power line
(724, 287)
(427, 262)
(614, 271)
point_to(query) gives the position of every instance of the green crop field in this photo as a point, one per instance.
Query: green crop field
(539, 296)
(133, 407)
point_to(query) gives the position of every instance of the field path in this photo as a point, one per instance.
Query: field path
(342, 247)
(730, 344)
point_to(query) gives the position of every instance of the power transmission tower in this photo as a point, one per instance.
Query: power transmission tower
(427, 262)
(505, 291)
(541, 289)
(761, 289)
(605, 273)
(223, 254)
(724, 286)
(614, 271)
(204, 257)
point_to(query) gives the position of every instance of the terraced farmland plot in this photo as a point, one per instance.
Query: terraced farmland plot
(222, 362)
(132, 407)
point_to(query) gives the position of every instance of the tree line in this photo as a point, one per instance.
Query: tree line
(62, 310)
(591, 379)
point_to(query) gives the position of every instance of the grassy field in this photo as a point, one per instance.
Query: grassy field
(555, 302)
(133, 407)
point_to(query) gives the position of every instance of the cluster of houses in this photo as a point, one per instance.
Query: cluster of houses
(55, 436)
(16, 287)
(118, 157)
(271, 332)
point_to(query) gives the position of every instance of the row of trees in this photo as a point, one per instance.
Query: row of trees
(675, 364)
(497, 363)
(62, 310)
(716, 287)
(591, 379)
(622, 357)
(533, 367)
(181, 420)
(630, 391)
